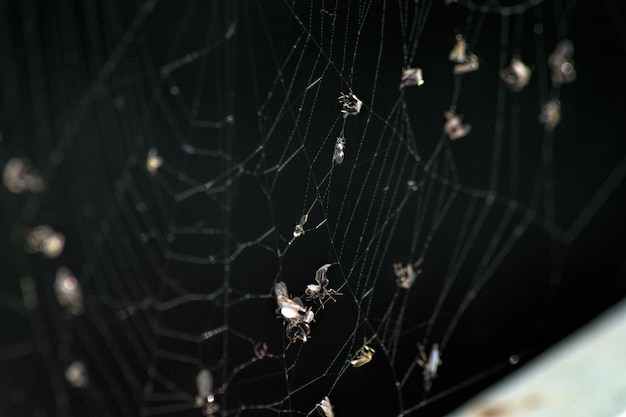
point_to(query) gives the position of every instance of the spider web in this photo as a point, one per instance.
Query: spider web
(187, 156)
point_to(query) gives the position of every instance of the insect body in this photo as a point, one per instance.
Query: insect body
(363, 356)
(320, 290)
(325, 408)
(340, 147)
(429, 363)
(350, 104)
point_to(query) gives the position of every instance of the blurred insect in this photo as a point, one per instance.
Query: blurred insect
(76, 374)
(325, 408)
(517, 75)
(45, 240)
(406, 275)
(350, 104)
(411, 77)
(320, 291)
(340, 146)
(294, 314)
(363, 356)
(260, 350)
(550, 114)
(153, 161)
(205, 398)
(429, 363)
(19, 176)
(454, 127)
(465, 61)
(68, 291)
(561, 63)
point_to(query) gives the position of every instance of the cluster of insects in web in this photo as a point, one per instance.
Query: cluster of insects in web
(296, 316)
(515, 76)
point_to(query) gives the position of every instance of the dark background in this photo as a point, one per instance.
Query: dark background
(85, 105)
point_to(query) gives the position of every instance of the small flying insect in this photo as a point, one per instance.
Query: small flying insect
(429, 363)
(350, 104)
(454, 127)
(363, 356)
(320, 291)
(325, 408)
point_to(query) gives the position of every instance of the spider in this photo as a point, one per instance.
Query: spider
(430, 363)
(320, 290)
(350, 104)
(363, 356)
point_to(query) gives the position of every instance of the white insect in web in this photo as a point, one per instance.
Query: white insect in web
(350, 104)
(297, 318)
(340, 146)
(153, 161)
(561, 63)
(411, 77)
(19, 176)
(465, 61)
(76, 374)
(45, 240)
(325, 408)
(454, 127)
(68, 291)
(363, 356)
(320, 291)
(205, 398)
(550, 114)
(430, 364)
(517, 75)
(406, 275)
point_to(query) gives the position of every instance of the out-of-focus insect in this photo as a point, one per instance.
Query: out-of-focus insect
(454, 127)
(411, 77)
(68, 291)
(406, 275)
(45, 240)
(517, 75)
(153, 161)
(19, 176)
(430, 363)
(465, 61)
(320, 291)
(325, 408)
(205, 398)
(550, 114)
(363, 356)
(561, 63)
(350, 104)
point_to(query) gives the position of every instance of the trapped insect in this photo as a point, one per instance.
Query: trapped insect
(454, 127)
(406, 275)
(297, 318)
(205, 398)
(350, 104)
(464, 60)
(320, 291)
(325, 408)
(429, 363)
(363, 356)
(340, 146)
